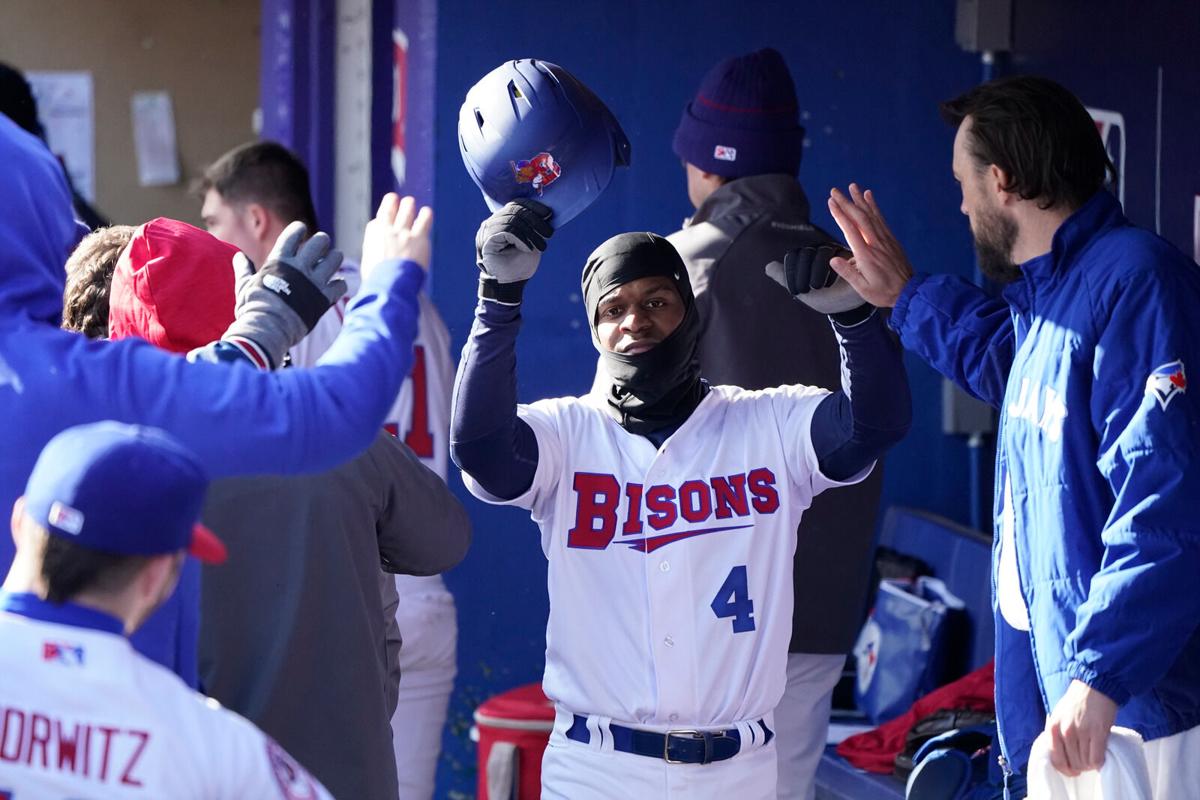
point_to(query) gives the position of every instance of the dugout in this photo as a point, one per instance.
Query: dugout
(368, 92)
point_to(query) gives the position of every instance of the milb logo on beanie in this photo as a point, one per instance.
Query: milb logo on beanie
(725, 153)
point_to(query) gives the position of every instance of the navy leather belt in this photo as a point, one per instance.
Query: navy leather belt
(674, 747)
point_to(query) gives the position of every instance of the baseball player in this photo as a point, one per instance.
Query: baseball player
(250, 193)
(1085, 355)
(426, 614)
(426, 620)
(668, 509)
(81, 713)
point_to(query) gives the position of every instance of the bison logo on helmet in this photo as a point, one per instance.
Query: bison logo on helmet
(541, 171)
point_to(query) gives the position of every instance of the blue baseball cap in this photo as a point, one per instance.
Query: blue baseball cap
(124, 489)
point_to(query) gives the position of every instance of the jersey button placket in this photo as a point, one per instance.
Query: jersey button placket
(667, 606)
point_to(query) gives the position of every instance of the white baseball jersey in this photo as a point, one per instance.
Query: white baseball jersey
(670, 571)
(320, 338)
(425, 614)
(84, 715)
(421, 415)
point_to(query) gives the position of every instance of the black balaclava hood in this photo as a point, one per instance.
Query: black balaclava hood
(660, 387)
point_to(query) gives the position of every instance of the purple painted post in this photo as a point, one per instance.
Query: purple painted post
(296, 91)
(406, 163)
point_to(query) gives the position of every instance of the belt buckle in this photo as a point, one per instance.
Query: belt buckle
(692, 734)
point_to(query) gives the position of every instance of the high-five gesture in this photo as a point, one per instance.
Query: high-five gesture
(397, 231)
(879, 269)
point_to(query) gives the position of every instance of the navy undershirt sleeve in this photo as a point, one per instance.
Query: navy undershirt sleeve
(853, 427)
(487, 439)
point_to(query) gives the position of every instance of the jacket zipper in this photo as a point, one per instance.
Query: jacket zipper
(1019, 336)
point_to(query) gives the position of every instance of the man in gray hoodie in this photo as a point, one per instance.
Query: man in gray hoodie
(740, 141)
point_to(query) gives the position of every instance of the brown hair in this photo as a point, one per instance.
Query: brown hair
(69, 569)
(266, 173)
(1039, 134)
(89, 277)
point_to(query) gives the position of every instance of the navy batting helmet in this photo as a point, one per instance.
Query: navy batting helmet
(530, 129)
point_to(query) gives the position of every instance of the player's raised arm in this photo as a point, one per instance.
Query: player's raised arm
(853, 427)
(958, 328)
(487, 440)
(350, 389)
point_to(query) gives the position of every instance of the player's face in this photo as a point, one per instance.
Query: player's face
(637, 315)
(992, 226)
(230, 223)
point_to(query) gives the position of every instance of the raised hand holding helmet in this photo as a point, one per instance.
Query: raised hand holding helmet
(511, 241)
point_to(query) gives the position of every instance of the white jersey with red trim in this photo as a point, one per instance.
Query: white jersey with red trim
(670, 569)
(421, 415)
(84, 715)
(306, 352)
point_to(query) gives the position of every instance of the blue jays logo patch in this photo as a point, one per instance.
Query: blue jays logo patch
(1166, 382)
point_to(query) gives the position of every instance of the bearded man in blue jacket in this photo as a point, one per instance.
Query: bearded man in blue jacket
(1085, 354)
(237, 420)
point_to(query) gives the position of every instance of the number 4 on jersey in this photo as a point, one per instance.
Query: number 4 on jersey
(733, 600)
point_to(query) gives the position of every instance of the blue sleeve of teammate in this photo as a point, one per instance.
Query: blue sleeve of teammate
(487, 439)
(245, 421)
(853, 427)
(960, 330)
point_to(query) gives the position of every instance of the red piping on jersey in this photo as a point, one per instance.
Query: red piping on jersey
(652, 543)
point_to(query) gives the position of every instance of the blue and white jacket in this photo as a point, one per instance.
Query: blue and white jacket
(1087, 357)
(238, 420)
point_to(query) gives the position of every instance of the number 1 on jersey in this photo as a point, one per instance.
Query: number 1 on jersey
(419, 438)
(733, 600)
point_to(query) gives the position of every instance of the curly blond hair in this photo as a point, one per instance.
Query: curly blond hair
(89, 277)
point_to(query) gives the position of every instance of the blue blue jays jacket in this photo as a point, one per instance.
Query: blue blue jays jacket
(1087, 358)
(238, 420)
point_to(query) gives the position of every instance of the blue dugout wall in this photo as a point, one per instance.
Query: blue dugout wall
(869, 76)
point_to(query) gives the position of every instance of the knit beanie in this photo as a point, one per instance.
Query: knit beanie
(173, 286)
(744, 120)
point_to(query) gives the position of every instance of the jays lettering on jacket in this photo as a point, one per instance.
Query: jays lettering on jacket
(1086, 357)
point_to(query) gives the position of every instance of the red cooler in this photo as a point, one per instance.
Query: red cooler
(512, 730)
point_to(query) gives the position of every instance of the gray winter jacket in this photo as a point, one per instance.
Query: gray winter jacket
(756, 336)
(297, 628)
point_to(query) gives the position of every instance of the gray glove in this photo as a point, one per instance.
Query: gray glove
(510, 242)
(806, 274)
(279, 304)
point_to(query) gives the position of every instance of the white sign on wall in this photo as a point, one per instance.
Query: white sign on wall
(154, 139)
(67, 111)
